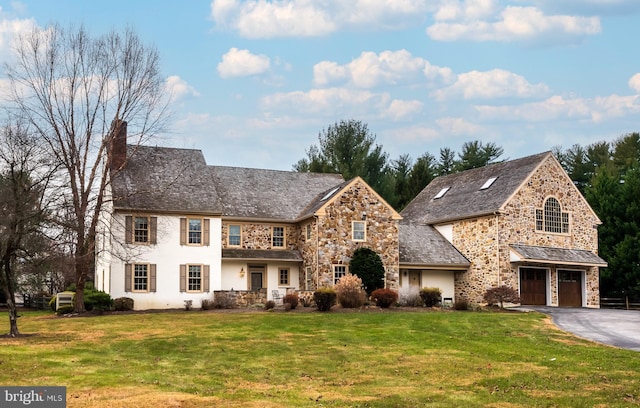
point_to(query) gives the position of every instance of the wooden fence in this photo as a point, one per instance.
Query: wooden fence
(619, 303)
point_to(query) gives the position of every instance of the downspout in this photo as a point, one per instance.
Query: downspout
(317, 252)
(497, 214)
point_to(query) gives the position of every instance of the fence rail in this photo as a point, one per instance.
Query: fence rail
(619, 303)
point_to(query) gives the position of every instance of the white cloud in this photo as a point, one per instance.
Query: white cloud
(458, 126)
(10, 28)
(239, 63)
(308, 18)
(513, 23)
(178, 88)
(342, 102)
(634, 83)
(387, 68)
(595, 110)
(496, 83)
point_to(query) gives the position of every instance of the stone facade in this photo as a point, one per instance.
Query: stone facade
(485, 240)
(325, 239)
(335, 246)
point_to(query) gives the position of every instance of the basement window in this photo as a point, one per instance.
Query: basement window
(488, 183)
(441, 193)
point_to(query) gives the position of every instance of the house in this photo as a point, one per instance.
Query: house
(520, 223)
(175, 229)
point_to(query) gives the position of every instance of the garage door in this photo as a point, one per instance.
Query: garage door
(569, 288)
(533, 286)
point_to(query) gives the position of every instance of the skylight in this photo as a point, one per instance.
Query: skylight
(329, 194)
(488, 183)
(441, 193)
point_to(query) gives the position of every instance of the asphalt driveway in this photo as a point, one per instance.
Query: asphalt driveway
(620, 328)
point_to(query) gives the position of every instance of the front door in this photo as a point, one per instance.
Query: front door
(414, 279)
(533, 286)
(569, 288)
(256, 274)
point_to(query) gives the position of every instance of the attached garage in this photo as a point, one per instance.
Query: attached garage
(533, 286)
(546, 272)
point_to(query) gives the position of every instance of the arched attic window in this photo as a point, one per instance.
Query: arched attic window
(551, 218)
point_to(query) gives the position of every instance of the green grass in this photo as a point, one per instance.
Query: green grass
(261, 359)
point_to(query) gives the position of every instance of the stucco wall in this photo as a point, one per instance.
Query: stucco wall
(167, 255)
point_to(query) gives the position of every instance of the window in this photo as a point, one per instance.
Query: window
(488, 183)
(358, 230)
(441, 193)
(338, 272)
(140, 278)
(308, 233)
(277, 237)
(551, 218)
(195, 231)
(234, 235)
(141, 230)
(283, 277)
(194, 280)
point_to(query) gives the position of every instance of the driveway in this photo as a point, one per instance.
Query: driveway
(620, 328)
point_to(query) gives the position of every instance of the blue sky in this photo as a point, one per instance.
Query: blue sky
(256, 81)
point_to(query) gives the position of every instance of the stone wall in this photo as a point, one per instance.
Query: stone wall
(335, 244)
(258, 235)
(485, 241)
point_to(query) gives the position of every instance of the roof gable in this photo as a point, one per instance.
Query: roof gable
(461, 195)
(322, 201)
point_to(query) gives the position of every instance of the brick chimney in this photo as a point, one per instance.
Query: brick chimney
(118, 147)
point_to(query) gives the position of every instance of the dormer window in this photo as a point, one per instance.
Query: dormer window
(551, 218)
(441, 193)
(488, 183)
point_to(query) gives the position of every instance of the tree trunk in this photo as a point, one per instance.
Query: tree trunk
(7, 281)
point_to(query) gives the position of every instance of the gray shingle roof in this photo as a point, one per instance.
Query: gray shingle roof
(422, 245)
(168, 179)
(262, 254)
(165, 179)
(269, 194)
(465, 199)
(558, 255)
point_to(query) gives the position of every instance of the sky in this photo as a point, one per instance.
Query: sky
(255, 82)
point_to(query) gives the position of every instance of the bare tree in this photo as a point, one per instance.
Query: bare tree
(76, 90)
(25, 172)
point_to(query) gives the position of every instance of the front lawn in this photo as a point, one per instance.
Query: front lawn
(355, 359)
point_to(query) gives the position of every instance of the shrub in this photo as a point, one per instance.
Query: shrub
(52, 302)
(290, 299)
(431, 296)
(123, 304)
(98, 300)
(384, 297)
(410, 296)
(222, 300)
(500, 295)
(349, 291)
(325, 298)
(269, 305)
(367, 265)
(206, 304)
(188, 304)
(461, 304)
